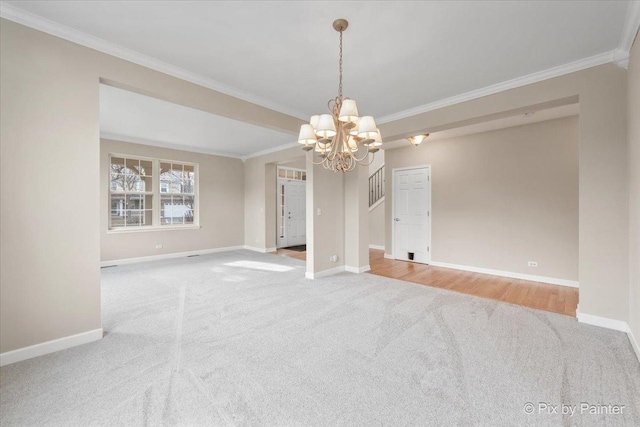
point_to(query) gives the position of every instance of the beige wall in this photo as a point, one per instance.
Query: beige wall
(504, 197)
(356, 218)
(376, 215)
(377, 225)
(300, 163)
(221, 206)
(325, 233)
(603, 178)
(634, 189)
(50, 264)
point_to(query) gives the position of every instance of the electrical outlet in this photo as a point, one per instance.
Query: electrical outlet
(333, 258)
(319, 211)
(532, 264)
(159, 246)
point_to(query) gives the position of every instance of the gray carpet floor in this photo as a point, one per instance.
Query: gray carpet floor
(241, 338)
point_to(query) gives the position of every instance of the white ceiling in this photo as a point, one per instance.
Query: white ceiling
(398, 55)
(137, 118)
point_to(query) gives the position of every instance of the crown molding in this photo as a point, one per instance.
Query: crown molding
(20, 16)
(539, 76)
(270, 150)
(630, 28)
(160, 144)
(170, 146)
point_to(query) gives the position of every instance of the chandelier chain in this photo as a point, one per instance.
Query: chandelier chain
(340, 86)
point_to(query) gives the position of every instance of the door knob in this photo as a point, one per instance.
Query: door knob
(396, 219)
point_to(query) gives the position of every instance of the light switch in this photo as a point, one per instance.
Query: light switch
(319, 211)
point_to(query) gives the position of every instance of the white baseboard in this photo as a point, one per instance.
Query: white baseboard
(357, 270)
(388, 256)
(616, 325)
(261, 250)
(603, 322)
(41, 349)
(167, 256)
(323, 273)
(531, 277)
(336, 270)
(379, 247)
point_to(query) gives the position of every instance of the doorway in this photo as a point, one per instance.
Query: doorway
(291, 218)
(412, 214)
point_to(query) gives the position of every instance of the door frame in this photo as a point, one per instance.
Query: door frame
(393, 207)
(279, 243)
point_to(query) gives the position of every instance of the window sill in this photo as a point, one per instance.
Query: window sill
(149, 229)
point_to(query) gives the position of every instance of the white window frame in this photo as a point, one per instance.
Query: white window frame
(156, 205)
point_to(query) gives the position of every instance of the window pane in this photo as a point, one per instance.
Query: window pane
(133, 218)
(175, 186)
(117, 165)
(117, 182)
(126, 183)
(189, 173)
(281, 173)
(146, 167)
(147, 183)
(134, 201)
(171, 178)
(165, 210)
(188, 203)
(117, 210)
(164, 167)
(132, 166)
(188, 187)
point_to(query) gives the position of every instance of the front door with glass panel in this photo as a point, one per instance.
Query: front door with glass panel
(292, 223)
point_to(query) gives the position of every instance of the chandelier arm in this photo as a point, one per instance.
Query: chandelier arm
(363, 157)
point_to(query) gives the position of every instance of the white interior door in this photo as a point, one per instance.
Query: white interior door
(295, 219)
(411, 215)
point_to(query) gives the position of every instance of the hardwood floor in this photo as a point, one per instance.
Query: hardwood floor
(542, 296)
(292, 254)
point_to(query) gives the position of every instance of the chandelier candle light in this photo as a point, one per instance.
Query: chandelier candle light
(338, 137)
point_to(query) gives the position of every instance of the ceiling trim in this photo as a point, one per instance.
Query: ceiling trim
(270, 150)
(154, 143)
(629, 32)
(48, 26)
(539, 76)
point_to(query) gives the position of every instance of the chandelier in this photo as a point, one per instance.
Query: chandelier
(337, 139)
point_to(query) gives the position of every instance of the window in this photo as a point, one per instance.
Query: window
(177, 198)
(150, 193)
